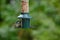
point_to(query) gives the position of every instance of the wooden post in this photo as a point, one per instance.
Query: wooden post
(25, 6)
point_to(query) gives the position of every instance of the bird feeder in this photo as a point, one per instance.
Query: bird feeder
(24, 16)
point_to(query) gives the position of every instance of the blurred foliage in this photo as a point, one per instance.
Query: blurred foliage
(45, 19)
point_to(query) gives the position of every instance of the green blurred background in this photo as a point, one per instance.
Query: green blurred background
(45, 21)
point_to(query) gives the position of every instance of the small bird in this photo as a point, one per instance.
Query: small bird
(18, 24)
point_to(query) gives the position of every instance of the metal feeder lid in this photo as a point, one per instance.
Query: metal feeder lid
(24, 16)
